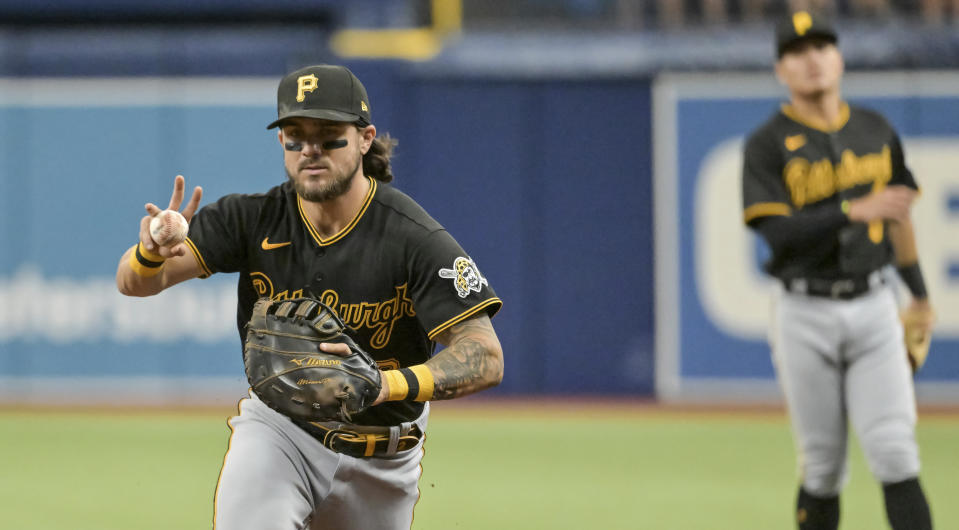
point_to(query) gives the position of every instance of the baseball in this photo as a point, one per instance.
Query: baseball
(168, 228)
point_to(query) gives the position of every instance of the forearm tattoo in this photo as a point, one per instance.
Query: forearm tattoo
(466, 365)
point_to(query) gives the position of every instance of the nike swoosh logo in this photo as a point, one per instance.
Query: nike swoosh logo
(795, 142)
(266, 245)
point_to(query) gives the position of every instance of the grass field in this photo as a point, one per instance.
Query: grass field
(499, 465)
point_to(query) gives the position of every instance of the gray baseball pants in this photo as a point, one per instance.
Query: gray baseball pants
(842, 363)
(276, 476)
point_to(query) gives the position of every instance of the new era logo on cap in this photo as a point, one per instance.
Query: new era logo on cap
(327, 92)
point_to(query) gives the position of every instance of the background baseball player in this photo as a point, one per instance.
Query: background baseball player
(337, 231)
(826, 186)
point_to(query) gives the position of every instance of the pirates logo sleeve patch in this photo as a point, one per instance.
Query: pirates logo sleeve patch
(465, 275)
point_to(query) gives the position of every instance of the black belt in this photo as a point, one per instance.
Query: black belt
(361, 441)
(838, 289)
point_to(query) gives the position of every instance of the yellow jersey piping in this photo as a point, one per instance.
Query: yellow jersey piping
(346, 230)
(199, 259)
(764, 209)
(818, 125)
(462, 316)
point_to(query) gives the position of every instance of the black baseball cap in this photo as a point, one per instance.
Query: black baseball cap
(803, 25)
(324, 91)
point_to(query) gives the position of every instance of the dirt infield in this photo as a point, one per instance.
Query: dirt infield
(512, 406)
(628, 407)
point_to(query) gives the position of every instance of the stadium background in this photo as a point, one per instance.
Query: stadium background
(527, 128)
(584, 152)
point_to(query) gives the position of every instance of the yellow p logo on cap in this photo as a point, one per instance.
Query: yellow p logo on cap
(802, 21)
(304, 84)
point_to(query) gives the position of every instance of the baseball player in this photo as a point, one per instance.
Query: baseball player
(337, 231)
(825, 184)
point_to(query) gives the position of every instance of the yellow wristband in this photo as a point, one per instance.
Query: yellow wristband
(145, 263)
(410, 384)
(398, 387)
(425, 378)
(149, 255)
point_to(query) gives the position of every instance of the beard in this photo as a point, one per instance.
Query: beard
(339, 184)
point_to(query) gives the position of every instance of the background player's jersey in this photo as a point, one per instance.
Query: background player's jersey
(394, 275)
(791, 166)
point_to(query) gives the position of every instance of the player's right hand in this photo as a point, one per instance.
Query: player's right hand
(179, 185)
(891, 203)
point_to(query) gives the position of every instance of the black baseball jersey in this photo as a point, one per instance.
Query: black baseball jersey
(793, 167)
(394, 274)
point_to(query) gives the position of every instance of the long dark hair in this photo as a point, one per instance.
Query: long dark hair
(376, 161)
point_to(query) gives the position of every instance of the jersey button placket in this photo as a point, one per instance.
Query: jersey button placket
(320, 252)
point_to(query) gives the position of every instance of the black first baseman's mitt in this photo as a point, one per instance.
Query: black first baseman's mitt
(290, 373)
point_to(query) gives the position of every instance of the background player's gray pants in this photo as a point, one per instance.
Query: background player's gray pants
(275, 476)
(841, 362)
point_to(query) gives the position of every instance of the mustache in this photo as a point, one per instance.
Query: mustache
(305, 164)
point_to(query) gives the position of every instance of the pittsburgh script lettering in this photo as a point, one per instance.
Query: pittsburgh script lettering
(809, 182)
(378, 316)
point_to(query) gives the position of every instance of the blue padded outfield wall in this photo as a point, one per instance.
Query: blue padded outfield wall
(546, 183)
(712, 298)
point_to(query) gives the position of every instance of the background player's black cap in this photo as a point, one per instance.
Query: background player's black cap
(803, 25)
(323, 91)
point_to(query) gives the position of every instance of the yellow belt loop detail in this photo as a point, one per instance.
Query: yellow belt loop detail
(370, 444)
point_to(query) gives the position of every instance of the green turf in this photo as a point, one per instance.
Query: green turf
(482, 470)
(103, 472)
